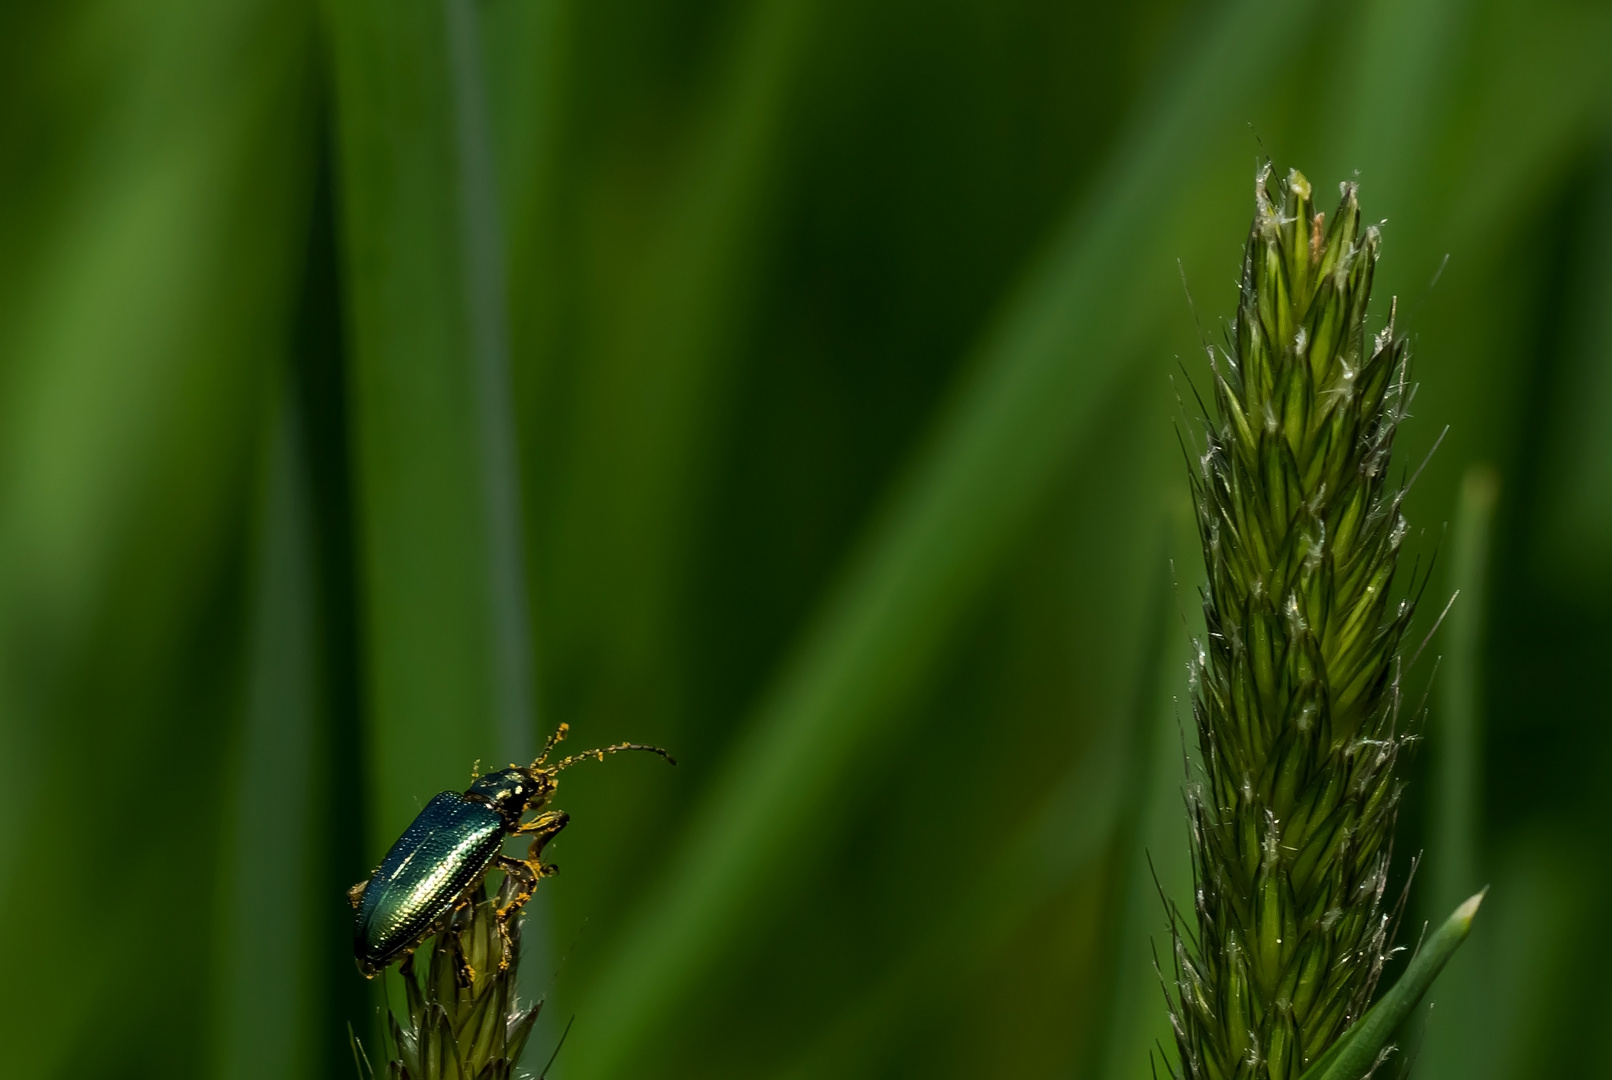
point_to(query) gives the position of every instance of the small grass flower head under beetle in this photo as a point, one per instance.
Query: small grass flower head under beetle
(437, 866)
(462, 1021)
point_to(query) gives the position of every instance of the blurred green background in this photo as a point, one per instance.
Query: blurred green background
(789, 384)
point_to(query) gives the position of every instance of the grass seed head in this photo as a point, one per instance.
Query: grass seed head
(462, 1021)
(1296, 689)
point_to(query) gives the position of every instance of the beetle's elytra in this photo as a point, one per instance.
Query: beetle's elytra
(438, 863)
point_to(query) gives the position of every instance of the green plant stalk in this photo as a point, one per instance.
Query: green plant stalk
(462, 1022)
(1296, 684)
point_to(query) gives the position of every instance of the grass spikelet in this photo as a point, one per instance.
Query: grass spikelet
(462, 1021)
(1296, 683)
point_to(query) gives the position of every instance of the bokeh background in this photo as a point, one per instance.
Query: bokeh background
(792, 384)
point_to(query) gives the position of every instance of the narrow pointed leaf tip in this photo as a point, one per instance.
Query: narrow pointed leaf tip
(1363, 1045)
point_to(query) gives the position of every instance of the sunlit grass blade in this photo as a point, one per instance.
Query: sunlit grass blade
(1040, 376)
(440, 519)
(140, 317)
(437, 486)
(483, 289)
(1370, 1040)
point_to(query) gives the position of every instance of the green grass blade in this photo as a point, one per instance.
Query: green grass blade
(1457, 740)
(1458, 1034)
(1362, 1046)
(1576, 525)
(150, 206)
(652, 387)
(484, 293)
(440, 524)
(1155, 858)
(1039, 380)
(273, 999)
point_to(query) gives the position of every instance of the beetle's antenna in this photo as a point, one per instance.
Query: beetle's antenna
(554, 740)
(602, 751)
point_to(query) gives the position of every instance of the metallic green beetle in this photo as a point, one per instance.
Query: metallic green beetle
(437, 865)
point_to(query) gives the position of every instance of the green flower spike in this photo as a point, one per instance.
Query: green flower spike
(463, 1022)
(1296, 684)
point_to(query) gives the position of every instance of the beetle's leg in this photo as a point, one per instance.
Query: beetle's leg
(447, 932)
(525, 876)
(506, 952)
(527, 873)
(463, 974)
(532, 869)
(452, 930)
(545, 826)
(522, 878)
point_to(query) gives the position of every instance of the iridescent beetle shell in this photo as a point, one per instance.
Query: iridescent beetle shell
(441, 858)
(443, 853)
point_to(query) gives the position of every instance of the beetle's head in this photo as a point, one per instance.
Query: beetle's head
(510, 790)
(541, 782)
